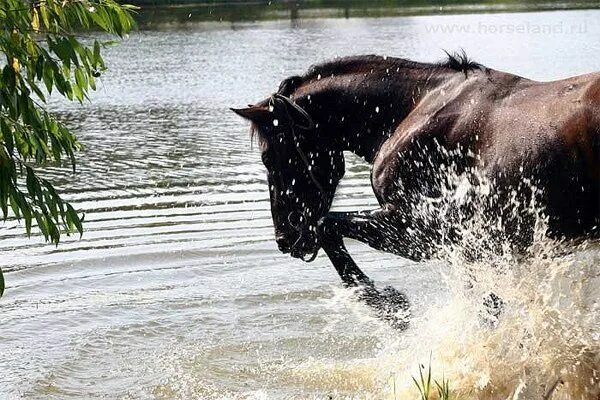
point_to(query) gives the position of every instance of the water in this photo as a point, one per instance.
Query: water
(177, 290)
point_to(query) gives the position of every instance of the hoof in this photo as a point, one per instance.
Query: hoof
(492, 309)
(389, 304)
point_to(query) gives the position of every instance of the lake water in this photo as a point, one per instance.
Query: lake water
(177, 290)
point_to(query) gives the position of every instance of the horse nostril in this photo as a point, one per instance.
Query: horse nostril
(283, 244)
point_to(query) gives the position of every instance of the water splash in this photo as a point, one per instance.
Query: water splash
(541, 341)
(547, 335)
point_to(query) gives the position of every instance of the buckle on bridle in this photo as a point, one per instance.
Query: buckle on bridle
(295, 219)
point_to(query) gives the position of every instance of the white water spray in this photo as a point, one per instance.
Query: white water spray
(545, 343)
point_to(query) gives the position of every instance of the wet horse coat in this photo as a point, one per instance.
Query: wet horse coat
(411, 121)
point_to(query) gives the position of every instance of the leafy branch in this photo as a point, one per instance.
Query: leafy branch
(43, 52)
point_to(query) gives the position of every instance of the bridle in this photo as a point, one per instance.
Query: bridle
(296, 223)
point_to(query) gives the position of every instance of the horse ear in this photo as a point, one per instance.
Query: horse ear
(258, 114)
(300, 118)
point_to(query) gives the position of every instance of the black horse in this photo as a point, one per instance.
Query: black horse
(410, 121)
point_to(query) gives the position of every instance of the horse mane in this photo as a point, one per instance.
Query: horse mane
(256, 135)
(455, 61)
(459, 61)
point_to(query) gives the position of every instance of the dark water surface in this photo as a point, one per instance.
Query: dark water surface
(157, 14)
(176, 289)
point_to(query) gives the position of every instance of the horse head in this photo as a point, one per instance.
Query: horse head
(303, 171)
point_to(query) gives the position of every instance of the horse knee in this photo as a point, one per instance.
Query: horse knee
(327, 230)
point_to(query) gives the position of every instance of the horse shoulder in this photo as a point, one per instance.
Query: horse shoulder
(402, 160)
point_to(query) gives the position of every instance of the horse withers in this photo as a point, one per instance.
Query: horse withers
(410, 121)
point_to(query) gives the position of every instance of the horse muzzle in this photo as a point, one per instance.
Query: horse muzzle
(306, 253)
(303, 246)
(282, 244)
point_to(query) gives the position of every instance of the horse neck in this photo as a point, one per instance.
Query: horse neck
(362, 117)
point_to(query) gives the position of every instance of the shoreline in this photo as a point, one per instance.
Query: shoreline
(152, 14)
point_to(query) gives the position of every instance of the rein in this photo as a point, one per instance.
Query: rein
(298, 226)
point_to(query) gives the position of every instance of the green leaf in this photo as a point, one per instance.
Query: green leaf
(76, 90)
(1, 283)
(44, 14)
(74, 218)
(97, 59)
(31, 182)
(7, 135)
(39, 67)
(80, 78)
(42, 225)
(4, 206)
(48, 77)
(92, 81)
(15, 207)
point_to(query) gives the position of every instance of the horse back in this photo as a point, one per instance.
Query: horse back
(549, 133)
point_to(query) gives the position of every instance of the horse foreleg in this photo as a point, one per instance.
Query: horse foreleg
(382, 229)
(388, 302)
(387, 230)
(343, 263)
